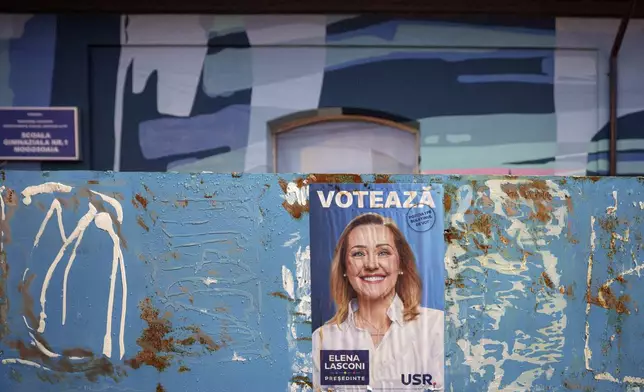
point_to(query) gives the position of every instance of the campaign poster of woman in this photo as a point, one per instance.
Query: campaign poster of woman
(377, 286)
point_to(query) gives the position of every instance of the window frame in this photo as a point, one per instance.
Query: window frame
(293, 122)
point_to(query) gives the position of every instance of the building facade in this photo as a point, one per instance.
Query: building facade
(313, 93)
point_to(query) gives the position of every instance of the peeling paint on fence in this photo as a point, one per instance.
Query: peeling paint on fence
(172, 282)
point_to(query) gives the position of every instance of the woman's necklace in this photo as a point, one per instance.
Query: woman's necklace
(378, 330)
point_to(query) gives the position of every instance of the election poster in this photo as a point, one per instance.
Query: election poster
(377, 286)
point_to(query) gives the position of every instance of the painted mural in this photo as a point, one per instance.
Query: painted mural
(193, 93)
(201, 282)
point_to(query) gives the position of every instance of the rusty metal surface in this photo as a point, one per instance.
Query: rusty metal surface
(542, 290)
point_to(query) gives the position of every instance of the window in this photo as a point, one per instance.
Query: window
(344, 143)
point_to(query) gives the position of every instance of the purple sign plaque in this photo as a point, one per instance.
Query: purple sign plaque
(344, 367)
(39, 134)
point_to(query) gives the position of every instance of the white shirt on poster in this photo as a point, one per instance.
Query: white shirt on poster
(408, 347)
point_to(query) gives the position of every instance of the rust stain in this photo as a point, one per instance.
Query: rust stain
(452, 235)
(154, 339)
(11, 204)
(181, 203)
(483, 224)
(567, 290)
(296, 210)
(334, 178)
(302, 381)
(570, 385)
(481, 246)
(447, 202)
(536, 191)
(183, 369)
(140, 201)
(607, 300)
(160, 388)
(610, 224)
(147, 190)
(547, 280)
(92, 366)
(203, 339)
(92, 182)
(382, 179)
(236, 174)
(281, 295)
(27, 299)
(283, 184)
(157, 341)
(458, 282)
(140, 222)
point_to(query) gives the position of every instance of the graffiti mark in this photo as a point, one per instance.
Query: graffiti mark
(104, 222)
(39, 354)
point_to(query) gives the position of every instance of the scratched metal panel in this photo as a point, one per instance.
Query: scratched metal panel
(542, 290)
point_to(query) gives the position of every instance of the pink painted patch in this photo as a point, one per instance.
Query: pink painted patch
(494, 171)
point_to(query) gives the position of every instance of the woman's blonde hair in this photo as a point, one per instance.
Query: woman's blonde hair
(408, 286)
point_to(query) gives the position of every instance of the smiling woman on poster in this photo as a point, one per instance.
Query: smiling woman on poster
(377, 293)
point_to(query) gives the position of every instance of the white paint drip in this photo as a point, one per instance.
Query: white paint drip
(82, 225)
(42, 348)
(48, 187)
(606, 377)
(26, 323)
(295, 194)
(45, 350)
(104, 222)
(295, 237)
(68, 268)
(114, 203)
(634, 380)
(636, 270)
(611, 210)
(23, 362)
(288, 282)
(55, 206)
(589, 276)
(238, 358)
(302, 362)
